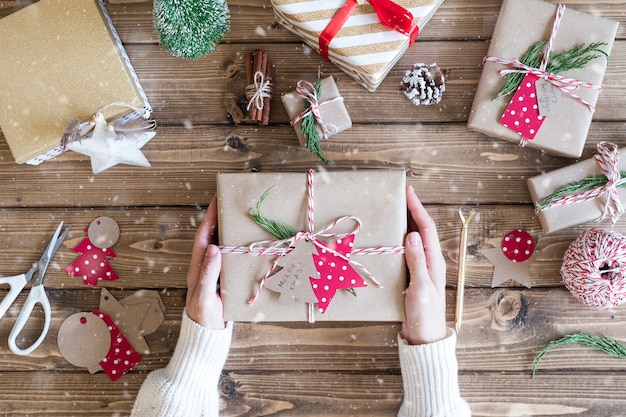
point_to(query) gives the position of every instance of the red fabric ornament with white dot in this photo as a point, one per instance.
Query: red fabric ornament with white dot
(121, 357)
(335, 272)
(93, 264)
(518, 245)
(522, 113)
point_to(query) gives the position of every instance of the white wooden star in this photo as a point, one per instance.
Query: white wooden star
(505, 269)
(107, 148)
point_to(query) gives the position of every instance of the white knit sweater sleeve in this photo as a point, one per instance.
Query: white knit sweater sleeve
(430, 379)
(188, 385)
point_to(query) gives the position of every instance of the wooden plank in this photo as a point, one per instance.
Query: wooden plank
(503, 330)
(446, 163)
(155, 243)
(171, 84)
(254, 19)
(318, 393)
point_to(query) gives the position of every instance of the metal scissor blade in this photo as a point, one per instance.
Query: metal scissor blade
(46, 257)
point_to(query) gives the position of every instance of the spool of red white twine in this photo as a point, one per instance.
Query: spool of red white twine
(594, 268)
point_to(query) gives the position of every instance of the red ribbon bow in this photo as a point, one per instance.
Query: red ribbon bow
(389, 13)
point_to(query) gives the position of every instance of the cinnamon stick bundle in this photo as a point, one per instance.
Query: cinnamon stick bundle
(259, 74)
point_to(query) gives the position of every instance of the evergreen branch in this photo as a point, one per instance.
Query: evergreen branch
(575, 58)
(279, 230)
(310, 131)
(585, 184)
(604, 344)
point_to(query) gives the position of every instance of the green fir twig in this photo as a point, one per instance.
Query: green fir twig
(585, 184)
(279, 230)
(577, 57)
(310, 131)
(604, 344)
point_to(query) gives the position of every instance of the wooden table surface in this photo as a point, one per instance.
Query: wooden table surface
(298, 369)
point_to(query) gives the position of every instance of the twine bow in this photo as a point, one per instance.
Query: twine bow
(308, 92)
(280, 248)
(607, 157)
(258, 91)
(565, 84)
(389, 13)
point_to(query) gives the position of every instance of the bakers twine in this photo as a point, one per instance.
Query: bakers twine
(594, 268)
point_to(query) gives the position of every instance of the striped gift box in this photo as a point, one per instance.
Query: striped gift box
(364, 48)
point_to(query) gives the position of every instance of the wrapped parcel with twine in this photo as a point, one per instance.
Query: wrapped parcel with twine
(317, 112)
(314, 205)
(561, 54)
(593, 189)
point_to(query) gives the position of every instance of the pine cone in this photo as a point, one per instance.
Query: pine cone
(424, 84)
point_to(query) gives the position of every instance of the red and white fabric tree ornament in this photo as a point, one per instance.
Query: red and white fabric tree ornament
(512, 259)
(334, 271)
(522, 114)
(93, 265)
(121, 357)
(92, 340)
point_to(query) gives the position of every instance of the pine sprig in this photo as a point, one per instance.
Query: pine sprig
(577, 57)
(585, 184)
(310, 131)
(604, 344)
(279, 230)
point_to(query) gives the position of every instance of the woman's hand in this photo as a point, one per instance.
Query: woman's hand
(424, 303)
(204, 304)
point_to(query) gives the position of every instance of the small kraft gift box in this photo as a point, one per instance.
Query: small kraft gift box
(342, 258)
(364, 39)
(554, 104)
(61, 60)
(589, 190)
(333, 115)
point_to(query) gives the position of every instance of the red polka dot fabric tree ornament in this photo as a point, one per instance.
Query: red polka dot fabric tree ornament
(93, 265)
(522, 113)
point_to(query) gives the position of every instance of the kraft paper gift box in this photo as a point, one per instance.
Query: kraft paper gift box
(363, 48)
(61, 60)
(376, 197)
(520, 24)
(562, 216)
(333, 111)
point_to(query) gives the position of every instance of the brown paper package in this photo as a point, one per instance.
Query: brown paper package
(522, 23)
(333, 113)
(376, 197)
(560, 217)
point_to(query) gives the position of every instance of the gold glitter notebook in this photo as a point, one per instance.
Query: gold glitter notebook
(61, 60)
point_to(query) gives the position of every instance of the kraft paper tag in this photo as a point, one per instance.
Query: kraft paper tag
(292, 281)
(549, 98)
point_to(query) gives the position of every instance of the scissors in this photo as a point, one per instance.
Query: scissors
(36, 296)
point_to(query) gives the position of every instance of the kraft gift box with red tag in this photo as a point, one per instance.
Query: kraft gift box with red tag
(377, 198)
(364, 39)
(562, 131)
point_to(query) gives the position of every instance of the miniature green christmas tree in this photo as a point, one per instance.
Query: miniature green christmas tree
(191, 28)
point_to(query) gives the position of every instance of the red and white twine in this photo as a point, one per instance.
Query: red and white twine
(309, 93)
(280, 248)
(565, 84)
(594, 268)
(607, 157)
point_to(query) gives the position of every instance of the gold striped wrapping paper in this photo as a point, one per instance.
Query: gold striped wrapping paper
(363, 48)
